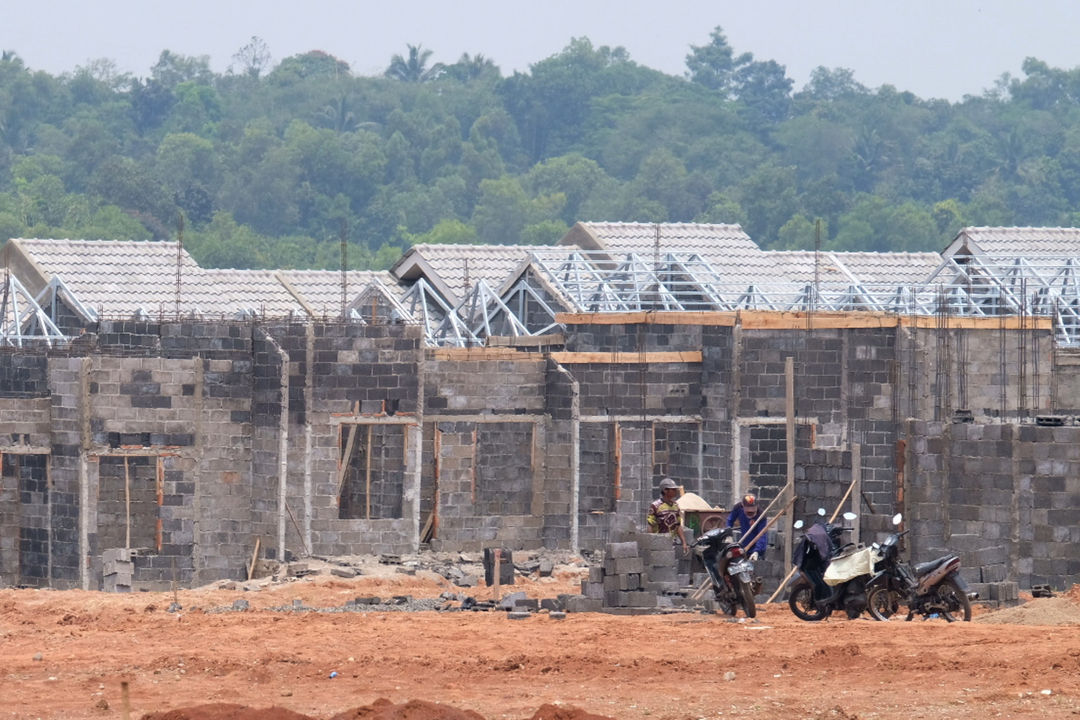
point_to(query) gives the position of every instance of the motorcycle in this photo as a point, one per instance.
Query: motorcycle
(929, 588)
(731, 572)
(825, 561)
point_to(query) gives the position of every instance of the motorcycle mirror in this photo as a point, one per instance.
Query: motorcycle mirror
(850, 515)
(798, 525)
(821, 512)
(897, 518)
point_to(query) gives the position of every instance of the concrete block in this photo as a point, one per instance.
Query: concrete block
(620, 550)
(621, 566)
(580, 603)
(662, 574)
(639, 599)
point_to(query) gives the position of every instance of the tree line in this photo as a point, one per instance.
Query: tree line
(274, 164)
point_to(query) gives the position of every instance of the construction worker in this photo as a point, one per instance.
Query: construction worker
(665, 516)
(751, 523)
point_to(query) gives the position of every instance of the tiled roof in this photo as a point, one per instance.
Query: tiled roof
(258, 291)
(1027, 241)
(868, 268)
(459, 267)
(320, 290)
(118, 277)
(730, 252)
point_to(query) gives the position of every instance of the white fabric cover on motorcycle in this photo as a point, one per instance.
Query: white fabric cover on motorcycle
(843, 568)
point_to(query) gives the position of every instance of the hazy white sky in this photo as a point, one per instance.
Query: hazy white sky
(942, 48)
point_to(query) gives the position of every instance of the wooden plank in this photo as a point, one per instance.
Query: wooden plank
(481, 353)
(621, 358)
(725, 318)
(1009, 322)
(254, 559)
(526, 340)
(771, 320)
(343, 467)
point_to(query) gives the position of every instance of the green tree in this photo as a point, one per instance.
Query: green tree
(712, 65)
(414, 67)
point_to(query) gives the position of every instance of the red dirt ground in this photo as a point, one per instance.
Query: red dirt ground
(68, 654)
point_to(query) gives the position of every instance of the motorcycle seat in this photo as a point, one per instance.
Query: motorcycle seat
(928, 567)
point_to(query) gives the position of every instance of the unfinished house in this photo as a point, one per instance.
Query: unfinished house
(162, 422)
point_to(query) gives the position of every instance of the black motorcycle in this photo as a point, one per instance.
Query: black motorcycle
(731, 572)
(930, 588)
(833, 575)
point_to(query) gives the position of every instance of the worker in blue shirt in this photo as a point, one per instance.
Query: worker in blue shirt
(750, 523)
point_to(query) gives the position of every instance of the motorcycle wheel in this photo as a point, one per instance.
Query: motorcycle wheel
(801, 602)
(955, 600)
(882, 603)
(746, 598)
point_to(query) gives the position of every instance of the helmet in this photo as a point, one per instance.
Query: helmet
(749, 504)
(668, 484)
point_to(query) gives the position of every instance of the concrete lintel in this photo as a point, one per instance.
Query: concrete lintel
(498, 418)
(642, 418)
(771, 420)
(372, 420)
(25, 450)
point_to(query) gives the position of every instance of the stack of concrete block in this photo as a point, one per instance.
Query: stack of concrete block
(117, 569)
(639, 573)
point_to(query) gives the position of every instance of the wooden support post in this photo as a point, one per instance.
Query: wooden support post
(618, 461)
(254, 559)
(789, 529)
(346, 458)
(159, 481)
(367, 475)
(127, 504)
(497, 572)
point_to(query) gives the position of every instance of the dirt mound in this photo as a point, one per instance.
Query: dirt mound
(381, 709)
(561, 712)
(226, 711)
(1058, 610)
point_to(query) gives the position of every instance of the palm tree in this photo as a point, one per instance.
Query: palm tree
(414, 68)
(472, 67)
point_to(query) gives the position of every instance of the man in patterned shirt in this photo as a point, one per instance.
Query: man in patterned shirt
(665, 516)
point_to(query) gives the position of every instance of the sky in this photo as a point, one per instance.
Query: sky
(942, 49)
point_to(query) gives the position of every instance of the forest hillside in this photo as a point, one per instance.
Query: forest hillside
(274, 164)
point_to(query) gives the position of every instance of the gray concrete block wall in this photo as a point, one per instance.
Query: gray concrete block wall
(719, 373)
(969, 368)
(360, 374)
(558, 460)
(463, 386)
(469, 489)
(208, 396)
(67, 378)
(1003, 496)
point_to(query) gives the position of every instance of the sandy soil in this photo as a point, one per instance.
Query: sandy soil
(70, 654)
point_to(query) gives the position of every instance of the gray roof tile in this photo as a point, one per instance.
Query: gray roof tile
(735, 258)
(1027, 241)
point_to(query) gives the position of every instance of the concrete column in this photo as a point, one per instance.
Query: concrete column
(575, 453)
(283, 443)
(84, 482)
